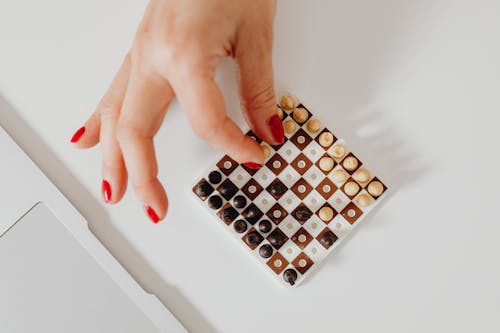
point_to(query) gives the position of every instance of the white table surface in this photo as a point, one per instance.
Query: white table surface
(414, 86)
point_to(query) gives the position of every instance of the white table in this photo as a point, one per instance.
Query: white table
(413, 86)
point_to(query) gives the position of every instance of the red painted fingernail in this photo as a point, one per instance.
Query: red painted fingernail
(252, 165)
(277, 129)
(106, 191)
(78, 134)
(152, 214)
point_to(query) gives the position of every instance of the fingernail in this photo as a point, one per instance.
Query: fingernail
(152, 214)
(78, 134)
(252, 165)
(106, 191)
(277, 129)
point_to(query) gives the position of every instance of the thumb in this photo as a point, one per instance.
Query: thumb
(253, 56)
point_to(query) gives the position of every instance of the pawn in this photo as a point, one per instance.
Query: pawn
(290, 276)
(350, 163)
(252, 214)
(254, 238)
(288, 102)
(266, 251)
(265, 226)
(228, 215)
(300, 115)
(277, 189)
(240, 226)
(289, 126)
(239, 201)
(326, 214)
(303, 214)
(277, 238)
(314, 125)
(327, 239)
(215, 202)
(203, 189)
(215, 177)
(325, 139)
(375, 188)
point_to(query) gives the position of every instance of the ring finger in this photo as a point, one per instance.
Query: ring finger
(114, 174)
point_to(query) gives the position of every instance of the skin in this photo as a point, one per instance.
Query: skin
(174, 54)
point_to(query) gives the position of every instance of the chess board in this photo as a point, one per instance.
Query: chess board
(301, 204)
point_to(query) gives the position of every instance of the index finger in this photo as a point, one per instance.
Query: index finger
(204, 105)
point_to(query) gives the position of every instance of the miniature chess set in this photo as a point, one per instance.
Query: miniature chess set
(297, 208)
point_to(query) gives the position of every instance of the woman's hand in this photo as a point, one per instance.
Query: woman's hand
(175, 53)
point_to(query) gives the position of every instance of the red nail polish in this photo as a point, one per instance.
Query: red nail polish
(277, 129)
(152, 214)
(106, 191)
(252, 165)
(78, 134)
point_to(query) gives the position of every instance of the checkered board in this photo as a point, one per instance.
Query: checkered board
(298, 236)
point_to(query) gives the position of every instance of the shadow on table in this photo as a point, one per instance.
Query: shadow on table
(357, 44)
(98, 219)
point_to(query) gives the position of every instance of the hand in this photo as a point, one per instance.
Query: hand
(175, 52)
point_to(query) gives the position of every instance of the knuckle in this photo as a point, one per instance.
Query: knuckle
(109, 164)
(259, 98)
(137, 52)
(126, 133)
(181, 48)
(141, 184)
(172, 51)
(179, 56)
(108, 107)
(208, 130)
(142, 38)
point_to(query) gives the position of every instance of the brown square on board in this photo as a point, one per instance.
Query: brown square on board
(203, 198)
(259, 238)
(302, 238)
(309, 114)
(302, 213)
(277, 184)
(277, 213)
(342, 188)
(375, 179)
(301, 188)
(227, 165)
(276, 164)
(326, 234)
(252, 189)
(325, 155)
(252, 214)
(335, 213)
(301, 139)
(325, 130)
(351, 212)
(277, 238)
(227, 189)
(302, 263)
(350, 171)
(227, 214)
(301, 163)
(326, 188)
(277, 263)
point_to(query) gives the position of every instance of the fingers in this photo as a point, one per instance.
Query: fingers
(88, 135)
(253, 55)
(143, 110)
(114, 174)
(203, 103)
